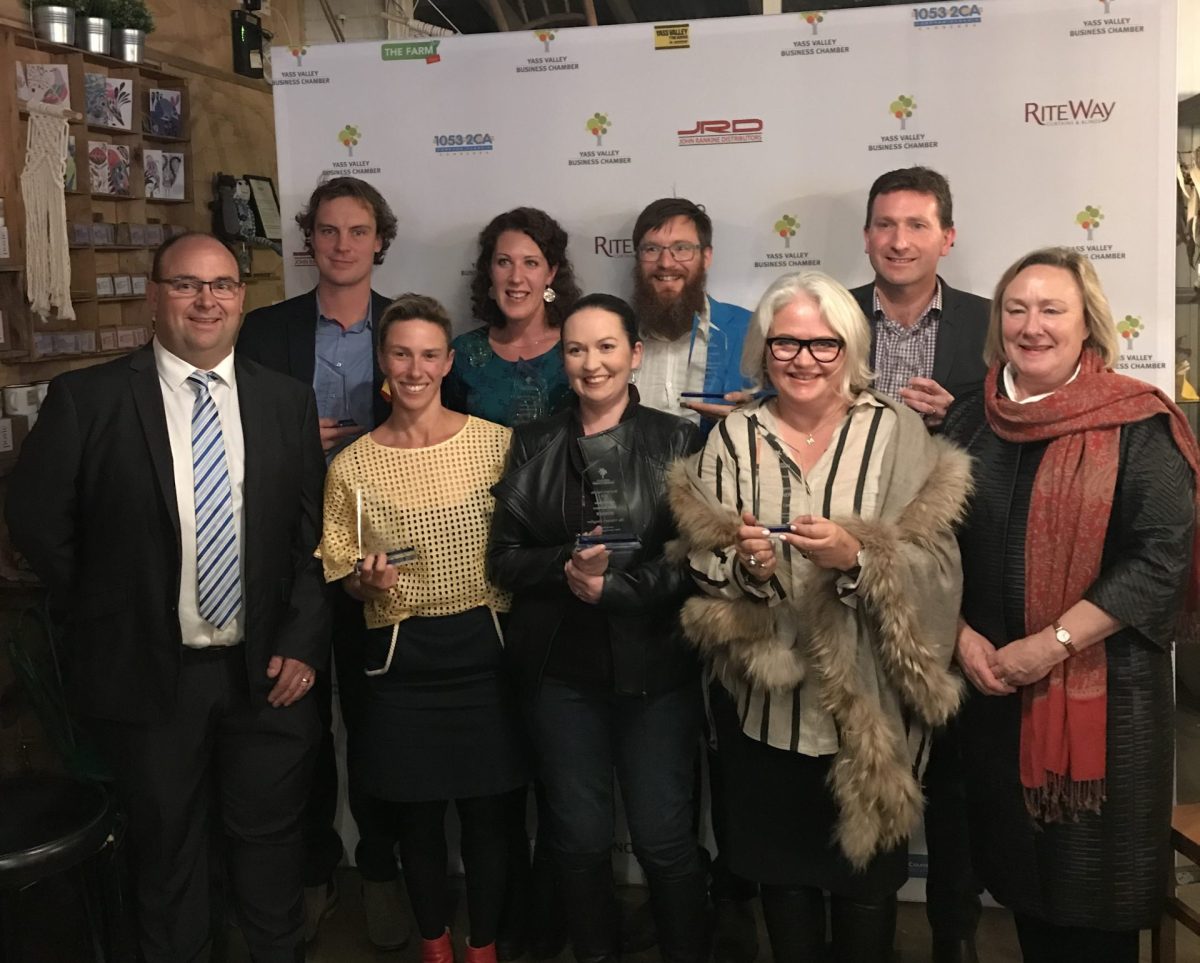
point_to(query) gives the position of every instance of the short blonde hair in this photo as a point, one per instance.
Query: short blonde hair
(1097, 315)
(840, 311)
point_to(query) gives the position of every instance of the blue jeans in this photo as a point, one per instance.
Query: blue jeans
(582, 736)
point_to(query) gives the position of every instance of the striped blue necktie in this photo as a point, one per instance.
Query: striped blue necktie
(218, 574)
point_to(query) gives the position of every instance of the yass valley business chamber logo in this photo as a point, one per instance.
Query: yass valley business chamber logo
(349, 136)
(1090, 219)
(1109, 23)
(784, 229)
(812, 41)
(597, 126)
(705, 133)
(295, 75)
(903, 108)
(1135, 355)
(548, 61)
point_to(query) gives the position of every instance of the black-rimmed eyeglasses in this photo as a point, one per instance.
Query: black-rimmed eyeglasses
(823, 350)
(681, 251)
(186, 286)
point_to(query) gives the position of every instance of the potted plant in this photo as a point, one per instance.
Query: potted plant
(93, 25)
(53, 20)
(131, 21)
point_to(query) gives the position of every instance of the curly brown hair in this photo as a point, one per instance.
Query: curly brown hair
(551, 240)
(335, 187)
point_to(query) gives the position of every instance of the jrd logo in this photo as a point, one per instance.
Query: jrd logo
(745, 130)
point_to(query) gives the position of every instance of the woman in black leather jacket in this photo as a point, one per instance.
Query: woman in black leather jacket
(594, 633)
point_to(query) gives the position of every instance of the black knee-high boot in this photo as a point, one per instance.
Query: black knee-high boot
(678, 907)
(863, 932)
(795, 918)
(590, 894)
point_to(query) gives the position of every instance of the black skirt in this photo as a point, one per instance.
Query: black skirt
(781, 817)
(440, 732)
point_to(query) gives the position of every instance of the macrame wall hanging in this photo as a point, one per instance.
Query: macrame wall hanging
(47, 255)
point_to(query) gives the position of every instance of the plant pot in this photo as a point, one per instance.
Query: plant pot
(56, 24)
(128, 45)
(92, 34)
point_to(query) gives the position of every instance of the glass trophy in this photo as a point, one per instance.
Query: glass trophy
(371, 541)
(605, 510)
(529, 401)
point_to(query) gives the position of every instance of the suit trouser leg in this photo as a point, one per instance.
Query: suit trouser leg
(322, 844)
(165, 776)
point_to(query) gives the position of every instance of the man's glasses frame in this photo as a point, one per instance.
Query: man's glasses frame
(681, 251)
(187, 286)
(823, 350)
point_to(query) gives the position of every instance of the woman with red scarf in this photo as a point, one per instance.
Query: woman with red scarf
(1078, 558)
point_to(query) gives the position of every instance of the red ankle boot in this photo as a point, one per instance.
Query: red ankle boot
(481, 954)
(439, 950)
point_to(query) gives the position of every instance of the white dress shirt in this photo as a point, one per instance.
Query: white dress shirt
(179, 400)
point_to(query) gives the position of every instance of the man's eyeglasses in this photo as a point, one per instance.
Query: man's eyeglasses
(682, 251)
(823, 350)
(186, 286)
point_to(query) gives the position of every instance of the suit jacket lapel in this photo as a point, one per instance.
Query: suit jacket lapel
(380, 405)
(147, 397)
(947, 338)
(302, 337)
(255, 438)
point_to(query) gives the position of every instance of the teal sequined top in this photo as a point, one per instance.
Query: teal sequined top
(483, 384)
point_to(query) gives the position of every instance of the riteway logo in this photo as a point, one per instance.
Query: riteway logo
(746, 130)
(613, 246)
(1072, 112)
(1089, 219)
(461, 143)
(426, 50)
(958, 15)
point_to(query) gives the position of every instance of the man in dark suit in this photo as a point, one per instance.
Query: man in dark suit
(324, 338)
(926, 337)
(171, 501)
(927, 349)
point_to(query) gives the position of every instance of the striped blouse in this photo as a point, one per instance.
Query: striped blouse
(750, 469)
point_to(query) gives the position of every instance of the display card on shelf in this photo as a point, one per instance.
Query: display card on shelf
(165, 117)
(104, 286)
(139, 283)
(122, 286)
(108, 339)
(43, 83)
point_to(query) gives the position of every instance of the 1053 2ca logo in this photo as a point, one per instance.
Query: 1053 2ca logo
(461, 143)
(745, 130)
(951, 16)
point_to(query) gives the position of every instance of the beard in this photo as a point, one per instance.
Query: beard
(667, 318)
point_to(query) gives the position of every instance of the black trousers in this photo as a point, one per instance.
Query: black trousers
(375, 854)
(220, 763)
(1043, 942)
(952, 890)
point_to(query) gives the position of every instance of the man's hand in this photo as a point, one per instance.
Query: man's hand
(293, 679)
(331, 434)
(717, 411)
(926, 397)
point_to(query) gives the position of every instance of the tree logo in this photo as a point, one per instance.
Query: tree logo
(349, 137)
(1089, 219)
(785, 227)
(902, 108)
(1130, 327)
(298, 53)
(814, 17)
(1107, 5)
(598, 125)
(545, 35)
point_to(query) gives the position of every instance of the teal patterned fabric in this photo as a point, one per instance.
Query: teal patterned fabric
(483, 384)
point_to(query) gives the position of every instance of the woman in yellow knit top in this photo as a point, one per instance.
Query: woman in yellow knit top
(407, 510)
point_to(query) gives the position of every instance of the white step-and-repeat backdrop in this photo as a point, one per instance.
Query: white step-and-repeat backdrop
(1055, 123)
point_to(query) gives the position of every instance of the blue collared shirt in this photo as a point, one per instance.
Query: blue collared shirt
(344, 378)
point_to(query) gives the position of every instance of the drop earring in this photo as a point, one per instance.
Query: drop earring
(549, 295)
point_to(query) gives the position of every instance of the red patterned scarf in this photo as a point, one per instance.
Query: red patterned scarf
(1063, 716)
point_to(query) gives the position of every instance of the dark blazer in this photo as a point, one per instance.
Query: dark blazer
(284, 338)
(92, 506)
(530, 543)
(958, 358)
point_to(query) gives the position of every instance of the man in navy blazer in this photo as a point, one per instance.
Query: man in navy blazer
(325, 338)
(927, 349)
(926, 337)
(194, 709)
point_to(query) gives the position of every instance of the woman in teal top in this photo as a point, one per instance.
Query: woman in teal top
(510, 370)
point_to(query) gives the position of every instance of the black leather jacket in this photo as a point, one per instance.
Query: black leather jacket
(530, 543)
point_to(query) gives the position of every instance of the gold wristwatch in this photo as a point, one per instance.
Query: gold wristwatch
(1064, 638)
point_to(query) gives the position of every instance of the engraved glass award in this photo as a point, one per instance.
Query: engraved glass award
(605, 510)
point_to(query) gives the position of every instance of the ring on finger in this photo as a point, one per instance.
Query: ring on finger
(752, 560)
